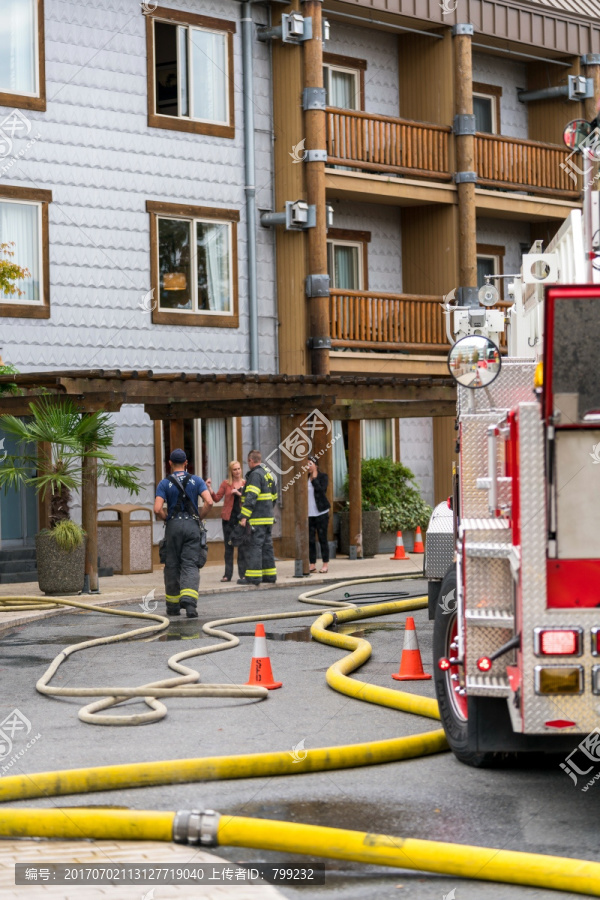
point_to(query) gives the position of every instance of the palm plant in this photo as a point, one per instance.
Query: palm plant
(70, 437)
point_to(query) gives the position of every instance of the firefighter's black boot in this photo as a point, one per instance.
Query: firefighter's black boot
(173, 609)
(190, 609)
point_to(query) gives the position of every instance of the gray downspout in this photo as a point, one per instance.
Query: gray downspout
(250, 189)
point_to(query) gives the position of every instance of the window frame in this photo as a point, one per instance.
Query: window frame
(495, 251)
(491, 92)
(178, 123)
(202, 318)
(346, 64)
(37, 100)
(31, 309)
(348, 236)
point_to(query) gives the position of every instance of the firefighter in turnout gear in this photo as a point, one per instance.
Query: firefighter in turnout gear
(258, 500)
(183, 550)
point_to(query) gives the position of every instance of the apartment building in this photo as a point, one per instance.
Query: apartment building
(129, 186)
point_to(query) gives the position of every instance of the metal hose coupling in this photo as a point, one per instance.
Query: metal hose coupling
(197, 827)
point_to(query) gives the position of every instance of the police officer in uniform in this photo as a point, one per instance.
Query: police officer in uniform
(258, 500)
(184, 534)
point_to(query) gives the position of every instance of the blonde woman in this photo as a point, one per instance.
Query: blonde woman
(230, 491)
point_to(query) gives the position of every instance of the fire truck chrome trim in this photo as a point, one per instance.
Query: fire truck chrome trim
(595, 649)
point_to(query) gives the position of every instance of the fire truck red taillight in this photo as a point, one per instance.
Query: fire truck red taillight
(484, 664)
(558, 641)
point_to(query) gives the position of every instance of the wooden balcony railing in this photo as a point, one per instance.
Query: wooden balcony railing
(368, 320)
(386, 144)
(374, 321)
(523, 165)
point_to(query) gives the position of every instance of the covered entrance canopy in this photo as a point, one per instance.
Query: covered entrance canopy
(173, 397)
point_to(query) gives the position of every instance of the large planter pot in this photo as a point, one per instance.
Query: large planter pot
(387, 541)
(59, 571)
(370, 531)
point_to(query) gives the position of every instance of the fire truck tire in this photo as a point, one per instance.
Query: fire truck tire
(453, 709)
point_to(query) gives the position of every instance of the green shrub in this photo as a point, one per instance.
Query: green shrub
(391, 488)
(67, 534)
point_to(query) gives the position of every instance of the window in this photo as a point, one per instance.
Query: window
(344, 80)
(24, 225)
(194, 265)
(377, 438)
(347, 261)
(210, 445)
(191, 73)
(486, 106)
(490, 261)
(22, 82)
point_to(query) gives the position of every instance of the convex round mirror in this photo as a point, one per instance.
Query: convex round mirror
(576, 132)
(474, 361)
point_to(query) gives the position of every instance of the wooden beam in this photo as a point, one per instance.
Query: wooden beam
(354, 489)
(389, 410)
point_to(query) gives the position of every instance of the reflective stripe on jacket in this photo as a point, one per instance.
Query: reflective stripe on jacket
(260, 494)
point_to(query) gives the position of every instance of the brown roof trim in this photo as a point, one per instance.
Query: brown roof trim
(535, 24)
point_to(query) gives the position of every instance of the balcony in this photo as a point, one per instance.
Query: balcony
(522, 166)
(367, 320)
(362, 320)
(386, 145)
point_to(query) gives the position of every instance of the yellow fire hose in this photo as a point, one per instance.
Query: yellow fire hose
(460, 860)
(481, 863)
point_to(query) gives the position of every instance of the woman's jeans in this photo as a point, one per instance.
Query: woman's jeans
(228, 526)
(317, 527)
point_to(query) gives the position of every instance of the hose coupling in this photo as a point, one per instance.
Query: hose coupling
(196, 827)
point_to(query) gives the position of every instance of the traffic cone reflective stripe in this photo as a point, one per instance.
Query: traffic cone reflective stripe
(418, 548)
(400, 552)
(411, 665)
(260, 667)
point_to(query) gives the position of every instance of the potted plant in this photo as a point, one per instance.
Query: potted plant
(55, 440)
(389, 488)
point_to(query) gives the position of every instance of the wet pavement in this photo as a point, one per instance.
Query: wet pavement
(534, 808)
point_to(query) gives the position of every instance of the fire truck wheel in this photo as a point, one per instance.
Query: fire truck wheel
(449, 683)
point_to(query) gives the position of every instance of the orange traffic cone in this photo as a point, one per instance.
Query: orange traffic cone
(260, 667)
(418, 548)
(411, 666)
(400, 552)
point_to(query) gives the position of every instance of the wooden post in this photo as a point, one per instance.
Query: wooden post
(315, 133)
(176, 434)
(44, 502)
(592, 70)
(298, 494)
(354, 490)
(89, 521)
(465, 160)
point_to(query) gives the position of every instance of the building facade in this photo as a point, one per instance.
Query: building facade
(137, 140)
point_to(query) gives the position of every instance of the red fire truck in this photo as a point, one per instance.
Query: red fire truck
(513, 558)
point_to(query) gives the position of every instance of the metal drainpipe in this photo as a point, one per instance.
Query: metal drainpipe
(250, 189)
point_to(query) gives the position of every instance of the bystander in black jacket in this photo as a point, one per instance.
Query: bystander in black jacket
(320, 482)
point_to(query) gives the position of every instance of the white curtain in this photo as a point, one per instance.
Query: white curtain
(209, 75)
(342, 90)
(19, 224)
(340, 466)
(346, 267)
(18, 46)
(216, 450)
(213, 239)
(376, 438)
